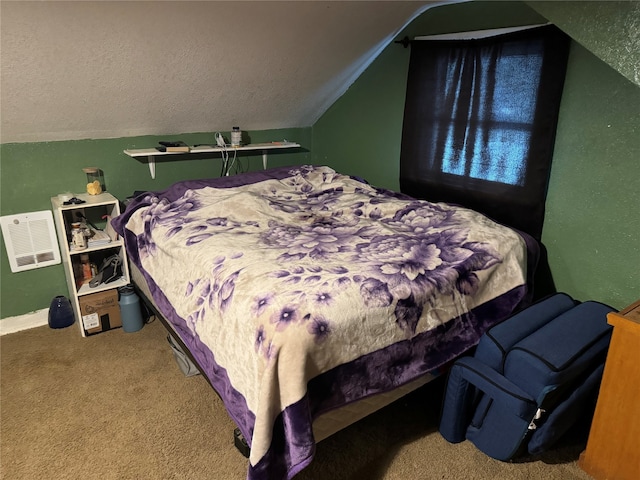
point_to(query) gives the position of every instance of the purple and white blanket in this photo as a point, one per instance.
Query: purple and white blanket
(299, 290)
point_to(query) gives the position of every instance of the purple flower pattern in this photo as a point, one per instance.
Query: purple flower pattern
(407, 253)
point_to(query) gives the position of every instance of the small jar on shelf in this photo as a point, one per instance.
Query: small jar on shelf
(78, 238)
(95, 180)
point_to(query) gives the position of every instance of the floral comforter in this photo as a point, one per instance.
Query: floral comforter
(299, 290)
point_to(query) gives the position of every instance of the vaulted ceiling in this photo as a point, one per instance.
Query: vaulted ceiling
(108, 69)
(102, 69)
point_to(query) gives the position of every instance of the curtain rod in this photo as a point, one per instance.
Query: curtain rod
(405, 42)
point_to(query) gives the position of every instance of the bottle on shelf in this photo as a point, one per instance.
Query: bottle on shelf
(87, 273)
(236, 137)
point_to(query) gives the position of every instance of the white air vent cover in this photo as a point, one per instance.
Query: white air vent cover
(30, 239)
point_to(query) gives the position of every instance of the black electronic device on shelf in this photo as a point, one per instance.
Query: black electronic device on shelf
(178, 146)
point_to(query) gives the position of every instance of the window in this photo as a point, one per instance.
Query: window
(495, 149)
(479, 123)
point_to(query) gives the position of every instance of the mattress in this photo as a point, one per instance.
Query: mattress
(332, 421)
(302, 292)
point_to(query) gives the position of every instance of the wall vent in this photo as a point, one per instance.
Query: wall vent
(30, 240)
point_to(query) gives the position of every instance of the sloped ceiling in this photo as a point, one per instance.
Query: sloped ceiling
(102, 69)
(609, 29)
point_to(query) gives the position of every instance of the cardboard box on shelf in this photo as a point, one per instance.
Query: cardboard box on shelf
(100, 311)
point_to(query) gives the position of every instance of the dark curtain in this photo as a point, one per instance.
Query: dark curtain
(480, 120)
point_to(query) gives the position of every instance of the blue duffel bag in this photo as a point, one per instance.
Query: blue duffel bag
(530, 379)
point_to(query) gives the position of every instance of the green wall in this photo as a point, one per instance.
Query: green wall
(592, 224)
(592, 228)
(32, 173)
(609, 29)
(361, 132)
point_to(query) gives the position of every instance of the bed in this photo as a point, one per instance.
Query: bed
(306, 295)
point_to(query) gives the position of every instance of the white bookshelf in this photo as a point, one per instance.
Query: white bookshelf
(95, 207)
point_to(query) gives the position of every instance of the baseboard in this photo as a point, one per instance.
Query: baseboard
(24, 322)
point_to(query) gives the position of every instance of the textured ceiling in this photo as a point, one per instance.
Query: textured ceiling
(73, 70)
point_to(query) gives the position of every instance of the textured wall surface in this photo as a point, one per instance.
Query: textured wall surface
(74, 70)
(70, 73)
(34, 172)
(610, 30)
(592, 226)
(93, 69)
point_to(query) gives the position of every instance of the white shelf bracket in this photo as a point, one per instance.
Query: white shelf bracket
(264, 159)
(152, 166)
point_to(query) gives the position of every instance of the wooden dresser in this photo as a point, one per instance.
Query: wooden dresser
(613, 448)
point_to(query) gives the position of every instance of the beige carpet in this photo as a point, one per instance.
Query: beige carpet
(116, 406)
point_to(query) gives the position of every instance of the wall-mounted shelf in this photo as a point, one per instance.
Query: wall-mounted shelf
(151, 153)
